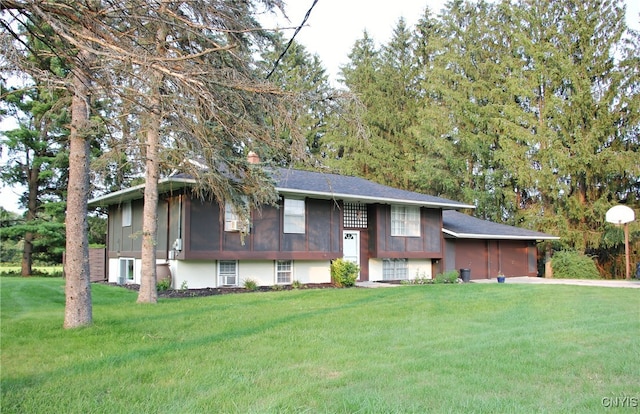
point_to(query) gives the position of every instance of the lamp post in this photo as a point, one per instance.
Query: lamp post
(621, 216)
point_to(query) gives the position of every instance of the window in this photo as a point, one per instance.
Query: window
(394, 269)
(293, 216)
(284, 271)
(232, 220)
(126, 271)
(405, 221)
(355, 216)
(126, 214)
(228, 272)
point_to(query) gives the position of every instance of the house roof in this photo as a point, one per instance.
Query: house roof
(353, 189)
(304, 183)
(463, 226)
(133, 193)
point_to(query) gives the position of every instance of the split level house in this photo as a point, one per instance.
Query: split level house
(391, 234)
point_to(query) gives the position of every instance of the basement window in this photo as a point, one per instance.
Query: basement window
(284, 271)
(126, 271)
(394, 269)
(228, 272)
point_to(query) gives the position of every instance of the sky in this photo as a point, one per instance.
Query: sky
(334, 25)
(332, 29)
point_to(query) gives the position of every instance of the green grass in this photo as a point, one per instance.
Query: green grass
(410, 349)
(14, 270)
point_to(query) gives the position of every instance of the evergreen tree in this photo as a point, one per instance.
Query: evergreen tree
(38, 160)
(582, 140)
(384, 84)
(348, 146)
(302, 75)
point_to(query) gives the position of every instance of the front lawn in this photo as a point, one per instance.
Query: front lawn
(428, 348)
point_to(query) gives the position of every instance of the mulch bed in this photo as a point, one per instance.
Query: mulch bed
(193, 293)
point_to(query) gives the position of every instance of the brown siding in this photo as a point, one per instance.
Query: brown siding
(266, 230)
(203, 229)
(486, 258)
(364, 259)
(161, 235)
(321, 218)
(383, 245)
(432, 230)
(207, 240)
(514, 258)
(125, 239)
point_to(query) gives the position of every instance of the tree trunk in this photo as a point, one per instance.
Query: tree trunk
(78, 309)
(148, 291)
(32, 205)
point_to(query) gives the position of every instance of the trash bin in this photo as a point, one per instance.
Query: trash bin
(465, 275)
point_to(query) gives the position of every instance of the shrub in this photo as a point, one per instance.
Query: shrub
(163, 284)
(344, 273)
(570, 264)
(250, 284)
(448, 277)
(296, 284)
(277, 287)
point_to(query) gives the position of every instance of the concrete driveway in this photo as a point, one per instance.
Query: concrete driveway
(633, 283)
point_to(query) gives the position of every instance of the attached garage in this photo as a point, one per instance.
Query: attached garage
(489, 248)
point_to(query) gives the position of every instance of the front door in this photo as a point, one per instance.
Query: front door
(351, 247)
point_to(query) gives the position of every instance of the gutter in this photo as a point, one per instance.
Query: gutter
(127, 194)
(497, 236)
(353, 197)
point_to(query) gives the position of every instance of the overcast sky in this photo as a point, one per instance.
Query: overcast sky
(332, 29)
(334, 25)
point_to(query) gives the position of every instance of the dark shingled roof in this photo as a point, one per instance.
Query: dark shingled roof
(305, 183)
(463, 226)
(342, 187)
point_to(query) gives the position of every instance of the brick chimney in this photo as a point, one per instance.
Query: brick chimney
(253, 158)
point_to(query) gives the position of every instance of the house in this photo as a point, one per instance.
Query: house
(488, 248)
(392, 234)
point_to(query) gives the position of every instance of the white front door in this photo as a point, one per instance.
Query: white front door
(351, 246)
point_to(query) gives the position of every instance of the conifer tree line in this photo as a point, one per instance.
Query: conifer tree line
(527, 109)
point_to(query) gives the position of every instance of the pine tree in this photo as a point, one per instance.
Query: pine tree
(38, 159)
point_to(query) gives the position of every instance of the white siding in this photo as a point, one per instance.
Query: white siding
(200, 274)
(304, 271)
(197, 274)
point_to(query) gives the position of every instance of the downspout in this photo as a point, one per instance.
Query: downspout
(180, 216)
(168, 246)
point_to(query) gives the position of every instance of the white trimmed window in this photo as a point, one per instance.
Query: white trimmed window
(284, 271)
(394, 269)
(126, 214)
(228, 272)
(126, 271)
(294, 216)
(232, 220)
(405, 221)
